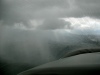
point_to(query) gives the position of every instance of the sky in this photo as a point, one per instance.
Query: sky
(48, 14)
(30, 24)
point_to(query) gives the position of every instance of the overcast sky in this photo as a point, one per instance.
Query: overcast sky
(47, 14)
(27, 27)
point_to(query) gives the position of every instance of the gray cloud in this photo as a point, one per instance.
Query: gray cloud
(51, 24)
(89, 7)
(16, 11)
(24, 10)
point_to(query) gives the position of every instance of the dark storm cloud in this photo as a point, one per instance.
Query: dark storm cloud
(16, 11)
(89, 7)
(82, 8)
(51, 24)
(23, 10)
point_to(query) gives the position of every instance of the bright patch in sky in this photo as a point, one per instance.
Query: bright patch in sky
(84, 23)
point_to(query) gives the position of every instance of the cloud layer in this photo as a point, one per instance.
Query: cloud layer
(22, 11)
(52, 24)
